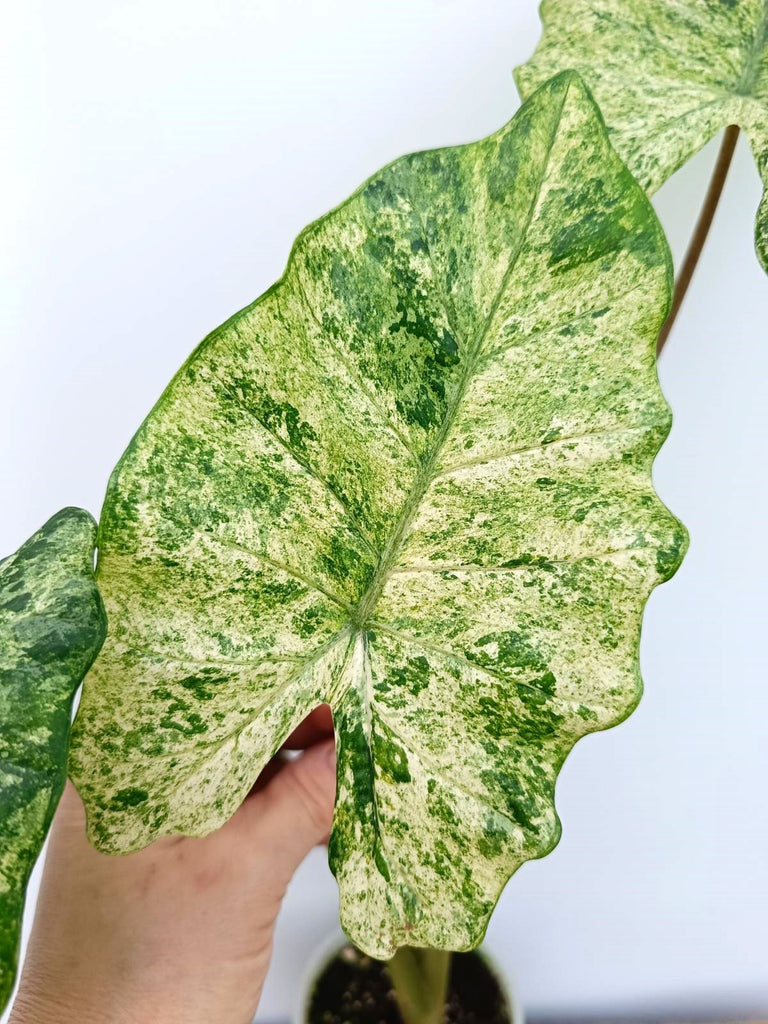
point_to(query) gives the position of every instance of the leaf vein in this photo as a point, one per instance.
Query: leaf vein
(355, 373)
(541, 562)
(483, 460)
(289, 570)
(554, 329)
(439, 771)
(187, 659)
(211, 747)
(455, 656)
(310, 470)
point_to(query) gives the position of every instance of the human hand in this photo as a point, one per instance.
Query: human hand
(181, 932)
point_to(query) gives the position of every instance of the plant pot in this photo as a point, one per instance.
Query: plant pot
(342, 986)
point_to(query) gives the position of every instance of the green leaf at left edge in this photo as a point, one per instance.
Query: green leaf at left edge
(666, 75)
(412, 480)
(52, 624)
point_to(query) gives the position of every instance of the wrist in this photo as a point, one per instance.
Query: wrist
(43, 1000)
(38, 1002)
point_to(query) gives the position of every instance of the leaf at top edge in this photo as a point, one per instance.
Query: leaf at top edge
(412, 480)
(666, 75)
(52, 625)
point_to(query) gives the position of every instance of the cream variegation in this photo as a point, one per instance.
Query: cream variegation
(51, 627)
(413, 480)
(667, 75)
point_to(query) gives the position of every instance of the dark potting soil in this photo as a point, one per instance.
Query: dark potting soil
(355, 989)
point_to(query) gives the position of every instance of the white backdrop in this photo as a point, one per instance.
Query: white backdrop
(162, 156)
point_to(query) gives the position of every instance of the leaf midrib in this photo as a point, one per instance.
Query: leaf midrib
(426, 474)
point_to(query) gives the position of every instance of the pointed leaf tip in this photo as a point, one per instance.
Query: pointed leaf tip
(667, 77)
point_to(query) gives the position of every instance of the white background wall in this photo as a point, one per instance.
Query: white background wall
(160, 157)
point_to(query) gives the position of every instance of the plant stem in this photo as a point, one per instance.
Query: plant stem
(420, 982)
(700, 232)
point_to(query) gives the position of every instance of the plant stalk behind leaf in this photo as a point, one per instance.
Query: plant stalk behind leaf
(420, 982)
(703, 224)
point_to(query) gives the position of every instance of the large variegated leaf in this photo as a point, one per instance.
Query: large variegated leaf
(667, 75)
(412, 480)
(52, 624)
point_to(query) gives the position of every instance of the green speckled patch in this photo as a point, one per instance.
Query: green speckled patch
(412, 480)
(667, 75)
(52, 624)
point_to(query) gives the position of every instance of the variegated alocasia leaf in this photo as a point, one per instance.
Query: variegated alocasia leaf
(413, 480)
(52, 625)
(666, 75)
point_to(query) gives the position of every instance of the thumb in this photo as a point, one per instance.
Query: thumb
(296, 807)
